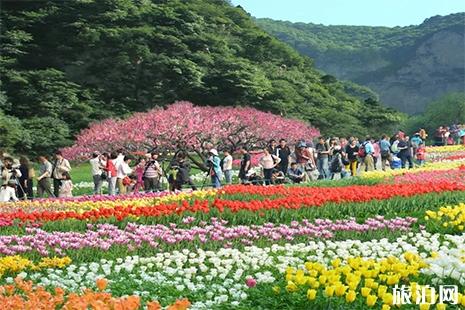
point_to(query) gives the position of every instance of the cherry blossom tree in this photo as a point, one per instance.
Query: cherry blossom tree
(192, 129)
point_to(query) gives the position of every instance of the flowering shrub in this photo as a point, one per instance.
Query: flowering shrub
(192, 127)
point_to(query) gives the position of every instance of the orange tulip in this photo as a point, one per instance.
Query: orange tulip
(101, 284)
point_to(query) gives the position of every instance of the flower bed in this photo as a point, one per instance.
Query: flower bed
(343, 245)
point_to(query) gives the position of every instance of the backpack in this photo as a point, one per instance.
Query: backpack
(335, 165)
(362, 151)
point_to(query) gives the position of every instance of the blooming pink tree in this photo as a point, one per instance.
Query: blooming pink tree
(193, 129)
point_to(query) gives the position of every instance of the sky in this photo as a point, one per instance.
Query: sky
(389, 13)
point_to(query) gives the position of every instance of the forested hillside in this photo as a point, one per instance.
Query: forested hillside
(67, 63)
(407, 66)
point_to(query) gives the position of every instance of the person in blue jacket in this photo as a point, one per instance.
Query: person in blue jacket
(214, 164)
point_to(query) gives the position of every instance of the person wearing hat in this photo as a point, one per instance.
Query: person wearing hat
(8, 192)
(214, 164)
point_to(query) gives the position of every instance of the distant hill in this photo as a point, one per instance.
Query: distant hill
(64, 64)
(407, 66)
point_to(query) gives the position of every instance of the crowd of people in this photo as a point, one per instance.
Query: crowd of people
(326, 158)
(450, 135)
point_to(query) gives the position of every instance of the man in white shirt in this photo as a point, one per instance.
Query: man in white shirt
(120, 158)
(96, 167)
(227, 167)
(8, 192)
(123, 170)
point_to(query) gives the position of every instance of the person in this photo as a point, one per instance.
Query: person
(111, 171)
(122, 174)
(295, 174)
(268, 162)
(43, 180)
(311, 170)
(352, 151)
(405, 152)
(304, 160)
(365, 153)
(277, 176)
(245, 166)
(385, 147)
(273, 147)
(9, 171)
(461, 134)
(284, 154)
(26, 179)
(8, 192)
(180, 173)
(96, 170)
(119, 157)
(60, 166)
(423, 135)
(214, 164)
(376, 152)
(140, 169)
(415, 141)
(227, 167)
(421, 154)
(439, 136)
(152, 174)
(337, 165)
(322, 150)
(66, 187)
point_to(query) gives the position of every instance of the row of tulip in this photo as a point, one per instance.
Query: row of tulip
(432, 166)
(363, 283)
(445, 148)
(233, 277)
(87, 203)
(454, 175)
(278, 197)
(24, 295)
(104, 236)
(448, 216)
(15, 263)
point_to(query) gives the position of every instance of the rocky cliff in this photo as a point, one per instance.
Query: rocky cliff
(407, 66)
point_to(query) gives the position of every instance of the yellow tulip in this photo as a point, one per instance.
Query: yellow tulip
(353, 285)
(424, 306)
(441, 306)
(388, 298)
(365, 291)
(371, 300)
(322, 279)
(329, 291)
(369, 282)
(336, 262)
(340, 290)
(385, 307)
(291, 287)
(350, 296)
(311, 294)
(382, 289)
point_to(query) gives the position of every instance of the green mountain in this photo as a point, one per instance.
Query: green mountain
(65, 64)
(408, 66)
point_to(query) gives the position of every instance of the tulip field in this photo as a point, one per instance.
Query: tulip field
(343, 244)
